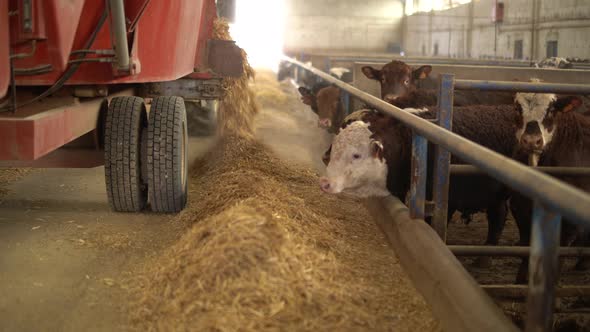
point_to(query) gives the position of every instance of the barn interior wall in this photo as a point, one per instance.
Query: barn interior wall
(468, 30)
(342, 25)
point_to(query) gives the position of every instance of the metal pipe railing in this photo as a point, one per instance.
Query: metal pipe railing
(512, 251)
(557, 195)
(120, 33)
(522, 87)
(555, 171)
(443, 61)
(411, 60)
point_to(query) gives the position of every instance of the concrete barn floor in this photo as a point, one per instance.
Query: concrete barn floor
(63, 252)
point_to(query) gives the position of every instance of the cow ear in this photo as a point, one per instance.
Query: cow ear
(372, 73)
(567, 103)
(422, 72)
(304, 91)
(376, 149)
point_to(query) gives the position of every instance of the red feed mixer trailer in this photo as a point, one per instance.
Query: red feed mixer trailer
(75, 79)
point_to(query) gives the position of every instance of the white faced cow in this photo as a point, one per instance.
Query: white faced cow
(357, 165)
(549, 133)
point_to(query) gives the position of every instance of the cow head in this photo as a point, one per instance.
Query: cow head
(396, 78)
(536, 123)
(307, 96)
(356, 163)
(329, 107)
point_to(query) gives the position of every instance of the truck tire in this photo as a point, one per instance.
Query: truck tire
(167, 155)
(126, 119)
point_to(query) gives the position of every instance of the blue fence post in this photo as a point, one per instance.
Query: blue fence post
(298, 70)
(327, 64)
(418, 176)
(345, 100)
(442, 158)
(543, 269)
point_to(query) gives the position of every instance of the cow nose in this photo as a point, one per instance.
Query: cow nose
(389, 99)
(325, 184)
(531, 142)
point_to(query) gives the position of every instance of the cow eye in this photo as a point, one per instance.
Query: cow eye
(356, 156)
(406, 82)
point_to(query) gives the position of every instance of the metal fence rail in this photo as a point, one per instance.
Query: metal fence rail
(522, 87)
(330, 60)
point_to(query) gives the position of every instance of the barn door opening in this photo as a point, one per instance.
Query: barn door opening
(551, 48)
(518, 46)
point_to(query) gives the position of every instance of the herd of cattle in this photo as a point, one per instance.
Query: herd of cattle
(370, 154)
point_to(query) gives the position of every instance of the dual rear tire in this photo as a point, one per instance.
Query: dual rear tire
(146, 155)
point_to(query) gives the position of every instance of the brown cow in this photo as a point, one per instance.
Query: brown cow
(308, 96)
(330, 109)
(397, 79)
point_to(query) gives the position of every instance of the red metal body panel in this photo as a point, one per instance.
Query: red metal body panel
(165, 43)
(30, 134)
(209, 13)
(4, 49)
(37, 31)
(58, 19)
(167, 39)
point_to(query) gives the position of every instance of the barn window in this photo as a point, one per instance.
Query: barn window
(423, 49)
(551, 48)
(435, 49)
(518, 49)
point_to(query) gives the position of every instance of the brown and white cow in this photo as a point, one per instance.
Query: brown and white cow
(550, 133)
(326, 103)
(397, 79)
(371, 156)
(330, 109)
(309, 96)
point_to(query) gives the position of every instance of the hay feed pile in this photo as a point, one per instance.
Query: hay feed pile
(269, 92)
(265, 250)
(238, 106)
(269, 252)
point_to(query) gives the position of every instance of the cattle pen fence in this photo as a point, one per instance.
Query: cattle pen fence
(422, 249)
(327, 61)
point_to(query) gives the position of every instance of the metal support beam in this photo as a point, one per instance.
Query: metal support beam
(522, 87)
(327, 65)
(521, 291)
(513, 251)
(469, 170)
(543, 269)
(345, 100)
(418, 176)
(442, 158)
(119, 27)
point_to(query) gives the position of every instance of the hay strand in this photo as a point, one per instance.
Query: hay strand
(238, 106)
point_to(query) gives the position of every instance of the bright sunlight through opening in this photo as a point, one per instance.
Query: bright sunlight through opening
(258, 29)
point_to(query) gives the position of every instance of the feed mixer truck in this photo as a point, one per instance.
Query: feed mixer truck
(86, 83)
